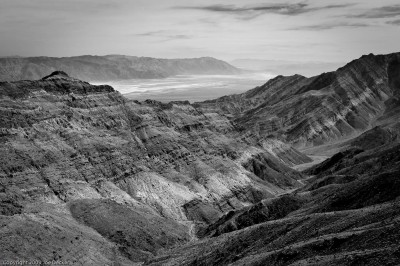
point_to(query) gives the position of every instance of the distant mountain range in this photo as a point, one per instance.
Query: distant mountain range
(109, 67)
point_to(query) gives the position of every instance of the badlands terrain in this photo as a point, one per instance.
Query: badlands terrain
(90, 177)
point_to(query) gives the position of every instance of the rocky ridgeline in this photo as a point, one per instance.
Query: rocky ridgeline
(311, 111)
(90, 177)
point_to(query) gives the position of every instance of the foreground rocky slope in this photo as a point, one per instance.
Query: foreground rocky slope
(306, 112)
(110, 67)
(118, 181)
(347, 214)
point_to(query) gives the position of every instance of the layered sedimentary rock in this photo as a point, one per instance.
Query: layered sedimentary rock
(307, 112)
(110, 67)
(121, 178)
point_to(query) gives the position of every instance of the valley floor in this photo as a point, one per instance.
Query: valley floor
(316, 159)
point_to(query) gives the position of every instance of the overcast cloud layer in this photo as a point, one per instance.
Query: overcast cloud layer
(314, 30)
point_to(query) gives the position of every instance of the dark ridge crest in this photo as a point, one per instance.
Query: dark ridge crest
(56, 73)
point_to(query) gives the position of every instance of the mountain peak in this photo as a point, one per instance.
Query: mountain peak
(57, 75)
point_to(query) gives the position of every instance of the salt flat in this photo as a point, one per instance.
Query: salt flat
(188, 87)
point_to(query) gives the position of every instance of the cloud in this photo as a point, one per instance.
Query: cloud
(179, 36)
(151, 33)
(380, 12)
(328, 26)
(164, 35)
(250, 12)
(394, 22)
(208, 21)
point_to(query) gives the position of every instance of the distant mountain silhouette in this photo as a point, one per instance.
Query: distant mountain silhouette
(110, 67)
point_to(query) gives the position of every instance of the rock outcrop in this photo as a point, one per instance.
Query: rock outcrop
(110, 67)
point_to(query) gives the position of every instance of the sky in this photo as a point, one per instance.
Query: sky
(301, 31)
